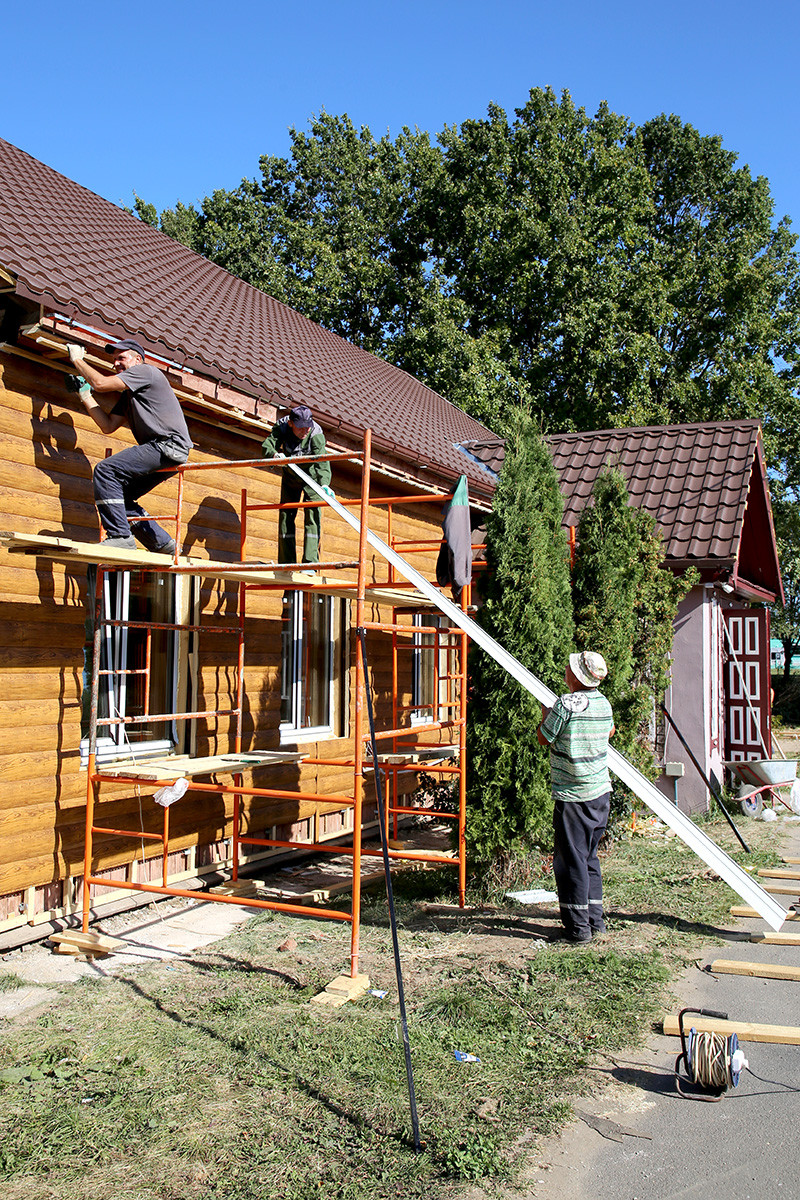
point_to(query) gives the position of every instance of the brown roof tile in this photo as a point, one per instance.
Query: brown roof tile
(694, 479)
(76, 252)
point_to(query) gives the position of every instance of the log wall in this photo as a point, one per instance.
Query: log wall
(48, 448)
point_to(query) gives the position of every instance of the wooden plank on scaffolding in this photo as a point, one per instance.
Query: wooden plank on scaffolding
(65, 549)
(416, 756)
(183, 767)
(746, 1031)
(730, 966)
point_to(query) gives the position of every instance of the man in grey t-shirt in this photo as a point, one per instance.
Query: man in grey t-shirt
(146, 403)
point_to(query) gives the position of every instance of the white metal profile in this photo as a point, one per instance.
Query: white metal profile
(746, 887)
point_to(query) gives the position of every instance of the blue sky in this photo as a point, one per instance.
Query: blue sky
(177, 99)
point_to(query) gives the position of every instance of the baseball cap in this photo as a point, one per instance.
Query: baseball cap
(301, 415)
(125, 344)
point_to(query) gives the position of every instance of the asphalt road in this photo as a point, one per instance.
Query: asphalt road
(742, 1148)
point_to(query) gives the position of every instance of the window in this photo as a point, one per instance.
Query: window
(134, 596)
(429, 688)
(312, 679)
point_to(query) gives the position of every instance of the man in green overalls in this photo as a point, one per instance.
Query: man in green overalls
(297, 436)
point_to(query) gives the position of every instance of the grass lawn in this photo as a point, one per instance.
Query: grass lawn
(215, 1078)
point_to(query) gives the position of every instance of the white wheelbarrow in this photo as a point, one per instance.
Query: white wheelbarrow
(760, 778)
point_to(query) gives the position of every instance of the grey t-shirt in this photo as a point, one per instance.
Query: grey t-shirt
(151, 407)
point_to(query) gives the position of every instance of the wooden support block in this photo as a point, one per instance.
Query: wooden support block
(744, 910)
(87, 943)
(395, 844)
(729, 966)
(778, 873)
(80, 955)
(782, 889)
(746, 1031)
(341, 989)
(235, 887)
(777, 939)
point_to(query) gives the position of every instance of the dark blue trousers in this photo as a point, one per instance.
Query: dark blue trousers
(119, 481)
(578, 828)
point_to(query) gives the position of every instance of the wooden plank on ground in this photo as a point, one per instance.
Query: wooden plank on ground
(744, 910)
(778, 873)
(746, 1031)
(782, 889)
(777, 939)
(790, 860)
(730, 966)
(87, 942)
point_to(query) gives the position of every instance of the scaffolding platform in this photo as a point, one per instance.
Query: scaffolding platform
(409, 748)
(182, 766)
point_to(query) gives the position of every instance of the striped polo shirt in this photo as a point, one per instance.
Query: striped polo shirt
(577, 728)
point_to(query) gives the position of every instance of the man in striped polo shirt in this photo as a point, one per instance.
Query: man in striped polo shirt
(577, 729)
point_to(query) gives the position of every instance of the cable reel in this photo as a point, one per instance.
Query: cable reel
(711, 1061)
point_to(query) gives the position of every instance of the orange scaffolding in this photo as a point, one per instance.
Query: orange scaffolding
(448, 705)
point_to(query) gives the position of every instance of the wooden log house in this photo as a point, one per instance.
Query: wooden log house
(90, 272)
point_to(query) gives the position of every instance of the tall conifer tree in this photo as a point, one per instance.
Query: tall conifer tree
(625, 604)
(526, 606)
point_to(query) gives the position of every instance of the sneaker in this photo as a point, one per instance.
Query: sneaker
(169, 548)
(120, 543)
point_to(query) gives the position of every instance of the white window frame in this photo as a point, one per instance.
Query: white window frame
(116, 744)
(292, 731)
(423, 660)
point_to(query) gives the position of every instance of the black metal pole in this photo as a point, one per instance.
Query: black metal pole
(714, 791)
(412, 1099)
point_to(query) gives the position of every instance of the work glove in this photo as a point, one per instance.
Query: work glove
(76, 383)
(328, 491)
(75, 352)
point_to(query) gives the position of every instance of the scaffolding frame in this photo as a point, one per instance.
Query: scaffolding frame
(450, 708)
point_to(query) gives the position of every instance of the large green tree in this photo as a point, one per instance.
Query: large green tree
(785, 618)
(526, 606)
(608, 274)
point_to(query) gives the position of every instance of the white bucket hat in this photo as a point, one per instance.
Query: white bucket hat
(588, 668)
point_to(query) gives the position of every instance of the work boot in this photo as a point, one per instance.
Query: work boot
(120, 543)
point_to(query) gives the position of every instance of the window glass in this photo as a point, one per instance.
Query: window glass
(429, 689)
(124, 689)
(311, 676)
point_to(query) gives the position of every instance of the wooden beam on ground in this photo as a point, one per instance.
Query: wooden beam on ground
(746, 1031)
(87, 943)
(783, 889)
(790, 860)
(744, 910)
(778, 873)
(730, 966)
(777, 939)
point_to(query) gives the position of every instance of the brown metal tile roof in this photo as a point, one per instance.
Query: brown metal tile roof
(86, 258)
(694, 479)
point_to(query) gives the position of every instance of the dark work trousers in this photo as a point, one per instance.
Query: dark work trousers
(119, 481)
(578, 828)
(292, 491)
